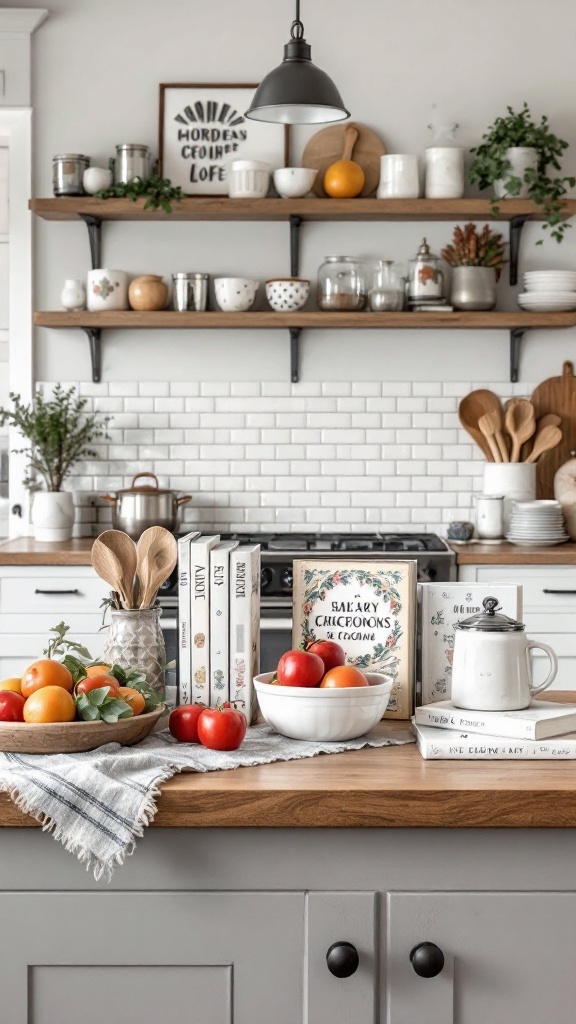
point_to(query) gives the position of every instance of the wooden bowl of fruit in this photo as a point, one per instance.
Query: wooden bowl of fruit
(74, 737)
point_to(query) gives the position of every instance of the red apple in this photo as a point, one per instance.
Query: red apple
(331, 653)
(11, 706)
(299, 668)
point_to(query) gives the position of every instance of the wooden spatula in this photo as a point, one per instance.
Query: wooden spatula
(486, 425)
(546, 439)
(471, 408)
(520, 423)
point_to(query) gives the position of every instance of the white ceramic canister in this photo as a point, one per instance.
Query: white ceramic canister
(520, 158)
(492, 669)
(107, 290)
(490, 516)
(399, 176)
(445, 172)
(516, 481)
(53, 515)
(73, 295)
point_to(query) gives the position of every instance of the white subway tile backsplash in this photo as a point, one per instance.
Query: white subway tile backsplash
(348, 455)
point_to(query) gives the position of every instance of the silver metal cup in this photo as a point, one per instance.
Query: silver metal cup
(190, 292)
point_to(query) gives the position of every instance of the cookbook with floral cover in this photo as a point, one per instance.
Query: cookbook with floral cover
(366, 607)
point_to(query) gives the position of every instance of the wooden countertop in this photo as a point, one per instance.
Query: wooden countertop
(27, 551)
(513, 554)
(388, 787)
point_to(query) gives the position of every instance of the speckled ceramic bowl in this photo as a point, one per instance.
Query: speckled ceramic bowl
(287, 294)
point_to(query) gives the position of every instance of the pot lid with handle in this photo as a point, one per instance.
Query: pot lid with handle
(145, 488)
(490, 620)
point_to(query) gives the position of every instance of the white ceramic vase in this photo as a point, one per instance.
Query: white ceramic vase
(53, 515)
(521, 158)
(73, 295)
(107, 290)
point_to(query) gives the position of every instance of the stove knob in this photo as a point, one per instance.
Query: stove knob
(287, 578)
(265, 579)
(427, 574)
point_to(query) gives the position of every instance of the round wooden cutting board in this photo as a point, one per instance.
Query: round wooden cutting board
(327, 146)
(557, 395)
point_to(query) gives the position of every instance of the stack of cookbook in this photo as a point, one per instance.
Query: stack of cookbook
(218, 621)
(544, 730)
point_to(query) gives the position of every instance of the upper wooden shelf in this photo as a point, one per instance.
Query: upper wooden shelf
(197, 208)
(516, 320)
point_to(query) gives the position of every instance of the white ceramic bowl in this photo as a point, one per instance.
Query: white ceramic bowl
(248, 179)
(95, 179)
(294, 182)
(106, 290)
(310, 713)
(286, 294)
(235, 294)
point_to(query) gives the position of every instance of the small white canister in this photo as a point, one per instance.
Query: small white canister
(490, 516)
(516, 481)
(399, 176)
(107, 290)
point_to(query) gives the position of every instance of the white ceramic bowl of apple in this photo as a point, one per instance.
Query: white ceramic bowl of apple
(294, 182)
(235, 294)
(287, 294)
(329, 714)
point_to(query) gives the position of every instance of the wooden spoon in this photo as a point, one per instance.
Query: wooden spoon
(471, 408)
(520, 424)
(109, 567)
(487, 427)
(157, 554)
(546, 439)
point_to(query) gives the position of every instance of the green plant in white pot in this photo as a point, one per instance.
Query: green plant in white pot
(60, 434)
(517, 158)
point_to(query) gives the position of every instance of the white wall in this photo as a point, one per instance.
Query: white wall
(96, 73)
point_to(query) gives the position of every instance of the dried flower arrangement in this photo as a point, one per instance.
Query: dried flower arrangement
(472, 249)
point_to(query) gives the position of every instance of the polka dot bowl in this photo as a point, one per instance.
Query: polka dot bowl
(286, 294)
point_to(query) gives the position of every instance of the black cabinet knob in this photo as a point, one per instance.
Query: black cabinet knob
(427, 959)
(342, 959)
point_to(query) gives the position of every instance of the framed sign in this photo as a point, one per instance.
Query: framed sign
(203, 128)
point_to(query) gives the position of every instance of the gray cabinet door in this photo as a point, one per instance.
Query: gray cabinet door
(203, 958)
(509, 958)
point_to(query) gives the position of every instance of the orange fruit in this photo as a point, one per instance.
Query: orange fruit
(97, 670)
(45, 672)
(344, 179)
(50, 704)
(11, 684)
(344, 675)
(133, 698)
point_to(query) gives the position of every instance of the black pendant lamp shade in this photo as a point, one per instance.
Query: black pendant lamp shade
(297, 92)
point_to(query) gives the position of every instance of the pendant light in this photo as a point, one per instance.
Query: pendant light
(297, 92)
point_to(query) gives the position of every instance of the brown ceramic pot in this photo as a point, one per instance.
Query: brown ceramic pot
(148, 292)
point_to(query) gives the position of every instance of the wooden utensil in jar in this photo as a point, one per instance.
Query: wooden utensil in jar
(520, 422)
(157, 555)
(545, 440)
(113, 558)
(486, 425)
(472, 407)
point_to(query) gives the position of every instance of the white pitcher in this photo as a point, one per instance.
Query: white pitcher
(492, 670)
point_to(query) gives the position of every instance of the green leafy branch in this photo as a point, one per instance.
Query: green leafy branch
(99, 705)
(160, 193)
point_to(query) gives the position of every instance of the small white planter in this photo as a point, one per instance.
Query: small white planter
(53, 515)
(521, 158)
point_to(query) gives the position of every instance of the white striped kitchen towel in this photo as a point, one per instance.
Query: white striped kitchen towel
(98, 803)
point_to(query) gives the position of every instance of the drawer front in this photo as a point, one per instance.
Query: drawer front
(548, 590)
(19, 651)
(52, 594)
(11, 625)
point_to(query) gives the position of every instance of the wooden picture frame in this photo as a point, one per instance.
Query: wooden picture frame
(202, 127)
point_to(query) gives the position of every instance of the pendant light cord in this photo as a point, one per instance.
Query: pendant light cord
(297, 31)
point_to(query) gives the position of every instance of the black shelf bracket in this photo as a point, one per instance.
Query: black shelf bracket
(94, 225)
(516, 225)
(295, 223)
(94, 335)
(516, 335)
(295, 333)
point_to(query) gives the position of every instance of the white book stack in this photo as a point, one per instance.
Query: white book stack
(184, 695)
(244, 626)
(200, 616)
(220, 621)
(544, 730)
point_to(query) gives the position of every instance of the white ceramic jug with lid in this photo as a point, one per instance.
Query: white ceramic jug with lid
(492, 670)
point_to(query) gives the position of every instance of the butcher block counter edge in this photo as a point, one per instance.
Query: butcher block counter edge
(386, 787)
(27, 551)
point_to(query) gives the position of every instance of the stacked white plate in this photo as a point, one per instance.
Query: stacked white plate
(548, 291)
(538, 523)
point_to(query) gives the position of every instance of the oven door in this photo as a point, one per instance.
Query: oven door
(275, 635)
(169, 626)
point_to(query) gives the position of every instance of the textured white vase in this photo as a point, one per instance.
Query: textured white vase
(53, 515)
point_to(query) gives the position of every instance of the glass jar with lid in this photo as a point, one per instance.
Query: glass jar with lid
(425, 276)
(341, 284)
(67, 173)
(445, 175)
(386, 287)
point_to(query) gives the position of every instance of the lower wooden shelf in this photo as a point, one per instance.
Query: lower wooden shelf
(515, 321)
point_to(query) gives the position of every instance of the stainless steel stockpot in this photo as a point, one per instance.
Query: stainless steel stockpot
(136, 508)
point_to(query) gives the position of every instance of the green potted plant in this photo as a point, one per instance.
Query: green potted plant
(477, 259)
(518, 157)
(60, 434)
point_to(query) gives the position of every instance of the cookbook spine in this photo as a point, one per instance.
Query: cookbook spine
(244, 627)
(184, 648)
(219, 622)
(200, 617)
(433, 745)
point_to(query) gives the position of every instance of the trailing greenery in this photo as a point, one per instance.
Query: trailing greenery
(59, 432)
(159, 192)
(469, 248)
(546, 190)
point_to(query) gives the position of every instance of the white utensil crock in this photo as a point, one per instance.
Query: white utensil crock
(493, 672)
(516, 481)
(399, 176)
(53, 515)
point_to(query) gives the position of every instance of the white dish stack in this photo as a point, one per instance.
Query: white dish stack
(548, 291)
(537, 523)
